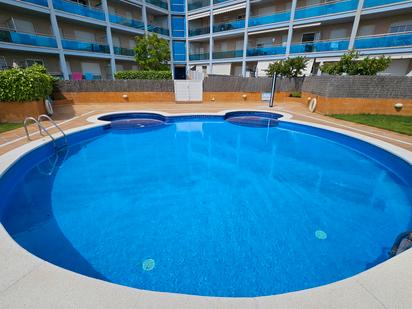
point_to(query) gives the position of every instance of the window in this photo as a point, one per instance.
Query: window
(308, 37)
(400, 28)
(3, 63)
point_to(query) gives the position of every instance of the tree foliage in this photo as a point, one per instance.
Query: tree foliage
(351, 65)
(152, 53)
(291, 67)
(32, 83)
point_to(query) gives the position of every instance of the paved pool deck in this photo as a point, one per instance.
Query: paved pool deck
(29, 282)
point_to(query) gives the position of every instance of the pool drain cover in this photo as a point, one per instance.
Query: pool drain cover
(136, 123)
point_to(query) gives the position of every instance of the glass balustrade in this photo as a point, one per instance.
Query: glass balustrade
(158, 29)
(204, 56)
(85, 46)
(269, 19)
(78, 9)
(384, 40)
(123, 51)
(199, 31)
(126, 21)
(326, 9)
(231, 25)
(158, 3)
(319, 46)
(266, 50)
(27, 38)
(228, 54)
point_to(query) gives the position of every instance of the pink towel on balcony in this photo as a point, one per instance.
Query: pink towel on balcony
(77, 76)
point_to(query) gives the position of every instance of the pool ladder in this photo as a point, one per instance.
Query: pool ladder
(43, 130)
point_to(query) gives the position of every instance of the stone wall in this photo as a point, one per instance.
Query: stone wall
(383, 87)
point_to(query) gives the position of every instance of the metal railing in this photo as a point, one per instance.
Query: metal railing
(43, 130)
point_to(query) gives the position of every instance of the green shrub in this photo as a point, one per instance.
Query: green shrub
(295, 94)
(351, 65)
(32, 83)
(143, 75)
(152, 52)
(291, 67)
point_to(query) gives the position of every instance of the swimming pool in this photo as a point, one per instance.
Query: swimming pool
(205, 206)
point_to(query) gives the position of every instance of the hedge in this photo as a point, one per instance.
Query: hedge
(29, 84)
(143, 75)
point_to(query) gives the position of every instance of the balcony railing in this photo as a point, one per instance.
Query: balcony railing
(126, 21)
(199, 31)
(159, 3)
(228, 54)
(78, 9)
(123, 51)
(269, 19)
(320, 46)
(10, 36)
(266, 50)
(204, 56)
(219, 1)
(197, 4)
(384, 40)
(38, 2)
(231, 25)
(85, 46)
(158, 29)
(326, 9)
(371, 3)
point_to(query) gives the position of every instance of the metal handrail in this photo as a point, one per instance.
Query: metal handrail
(26, 121)
(43, 116)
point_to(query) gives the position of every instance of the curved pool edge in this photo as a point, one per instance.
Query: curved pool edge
(30, 281)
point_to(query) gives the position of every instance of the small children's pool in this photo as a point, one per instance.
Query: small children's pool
(238, 205)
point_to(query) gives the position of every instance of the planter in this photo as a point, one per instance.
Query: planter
(17, 111)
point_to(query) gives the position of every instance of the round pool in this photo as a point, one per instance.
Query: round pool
(238, 205)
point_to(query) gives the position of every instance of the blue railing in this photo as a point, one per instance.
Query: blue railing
(123, 51)
(386, 40)
(27, 39)
(85, 46)
(158, 3)
(78, 9)
(320, 46)
(126, 21)
(228, 54)
(231, 25)
(269, 50)
(158, 29)
(38, 2)
(197, 4)
(269, 19)
(199, 31)
(371, 3)
(204, 56)
(326, 9)
(219, 1)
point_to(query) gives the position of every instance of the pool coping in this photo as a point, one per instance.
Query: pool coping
(26, 280)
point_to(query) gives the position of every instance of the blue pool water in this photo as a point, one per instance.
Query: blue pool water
(204, 206)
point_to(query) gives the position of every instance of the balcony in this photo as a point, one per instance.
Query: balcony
(231, 25)
(228, 54)
(384, 40)
(320, 46)
(73, 44)
(126, 21)
(10, 36)
(199, 31)
(278, 17)
(372, 3)
(326, 9)
(123, 51)
(38, 2)
(78, 9)
(197, 4)
(159, 3)
(158, 30)
(194, 57)
(266, 50)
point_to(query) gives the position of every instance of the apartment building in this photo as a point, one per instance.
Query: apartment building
(92, 39)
